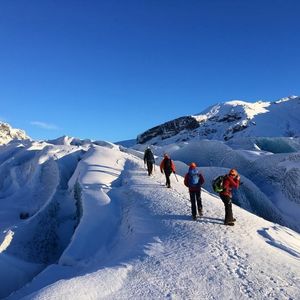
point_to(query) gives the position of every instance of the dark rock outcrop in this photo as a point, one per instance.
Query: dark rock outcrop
(169, 129)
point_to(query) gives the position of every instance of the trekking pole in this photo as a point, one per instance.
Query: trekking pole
(176, 177)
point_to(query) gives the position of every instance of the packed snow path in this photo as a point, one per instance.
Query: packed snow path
(146, 245)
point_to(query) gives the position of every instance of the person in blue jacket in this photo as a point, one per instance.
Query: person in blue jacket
(194, 180)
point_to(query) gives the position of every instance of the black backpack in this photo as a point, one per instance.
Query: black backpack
(149, 155)
(168, 164)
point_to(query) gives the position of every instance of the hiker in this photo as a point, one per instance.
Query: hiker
(149, 160)
(194, 180)
(232, 180)
(167, 166)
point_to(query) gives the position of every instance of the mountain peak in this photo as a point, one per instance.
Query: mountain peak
(7, 134)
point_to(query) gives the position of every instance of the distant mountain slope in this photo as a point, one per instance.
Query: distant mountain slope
(224, 121)
(7, 133)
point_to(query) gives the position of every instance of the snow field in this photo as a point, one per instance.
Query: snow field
(136, 240)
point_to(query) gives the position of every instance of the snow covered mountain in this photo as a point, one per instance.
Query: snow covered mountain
(7, 134)
(86, 222)
(233, 119)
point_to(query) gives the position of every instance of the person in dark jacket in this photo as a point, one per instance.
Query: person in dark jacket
(194, 180)
(230, 181)
(167, 167)
(149, 160)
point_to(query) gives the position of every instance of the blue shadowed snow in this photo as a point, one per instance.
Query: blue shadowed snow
(278, 145)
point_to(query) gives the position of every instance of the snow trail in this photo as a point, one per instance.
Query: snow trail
(204, 255)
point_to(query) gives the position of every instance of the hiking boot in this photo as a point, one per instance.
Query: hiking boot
(233, 220)
(200, 212)
(194, 217)
(229, 223)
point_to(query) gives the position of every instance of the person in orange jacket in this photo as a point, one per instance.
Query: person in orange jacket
(194, 180)
(167, 167)
(230, 181)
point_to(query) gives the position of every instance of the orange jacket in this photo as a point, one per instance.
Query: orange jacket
(167, 166)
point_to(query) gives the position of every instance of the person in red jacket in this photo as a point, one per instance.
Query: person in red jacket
(230, 181)
(194, 180)
(167, 166)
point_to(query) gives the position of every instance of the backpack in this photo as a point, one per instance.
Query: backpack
(217, 184)
(193, 178)
(149, 155)
(168, 164)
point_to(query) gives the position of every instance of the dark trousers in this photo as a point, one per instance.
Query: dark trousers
(196, 198)
(149, 167)
(168, 182)
(228, 208)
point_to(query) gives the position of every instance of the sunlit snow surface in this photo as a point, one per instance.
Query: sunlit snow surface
(100, 228)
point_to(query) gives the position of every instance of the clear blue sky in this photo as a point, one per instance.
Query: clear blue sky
(106, 69)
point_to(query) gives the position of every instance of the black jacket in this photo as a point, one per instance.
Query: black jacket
(148, 156)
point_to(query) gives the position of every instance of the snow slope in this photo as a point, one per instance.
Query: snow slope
(263, 119)
(36, 211)
(232, 119)
(135, 240)
(271, 182)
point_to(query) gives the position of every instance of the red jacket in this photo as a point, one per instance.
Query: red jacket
(193, 188)
(229, 182)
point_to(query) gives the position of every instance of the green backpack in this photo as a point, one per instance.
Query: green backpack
(217, 184)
